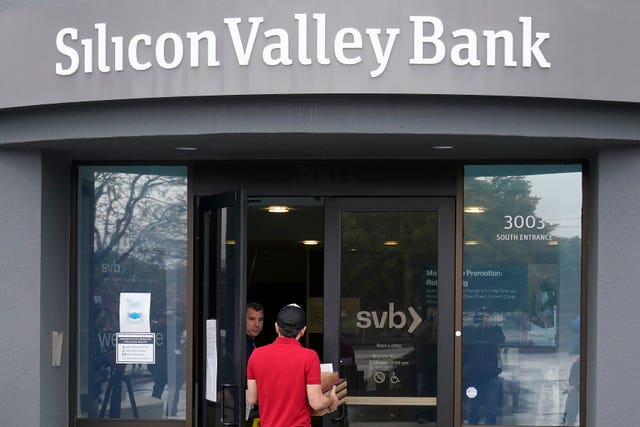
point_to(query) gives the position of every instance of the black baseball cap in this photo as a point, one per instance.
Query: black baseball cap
(291, 316)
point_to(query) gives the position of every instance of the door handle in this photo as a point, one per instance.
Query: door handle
(223, 408)
(342, 415)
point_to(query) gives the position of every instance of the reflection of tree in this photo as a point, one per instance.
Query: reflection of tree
(378, 274)
(135, 230)
(139, 231)
(141, 216)
(501, 195)
(511, 195)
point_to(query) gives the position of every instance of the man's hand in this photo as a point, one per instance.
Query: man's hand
(333, 405)
(319, 401)
(252, 392)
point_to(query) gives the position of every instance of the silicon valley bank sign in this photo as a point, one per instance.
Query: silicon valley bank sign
(309, 42)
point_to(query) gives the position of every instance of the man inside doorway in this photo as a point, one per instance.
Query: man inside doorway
(254, 323)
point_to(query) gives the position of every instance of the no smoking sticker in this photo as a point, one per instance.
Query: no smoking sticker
(379, 377)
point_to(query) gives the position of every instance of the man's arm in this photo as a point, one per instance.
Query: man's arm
(252, 392)
(319, 401)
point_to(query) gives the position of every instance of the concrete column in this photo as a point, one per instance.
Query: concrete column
(20, 258)
(54, 308)
(34, 260)
(614, 291)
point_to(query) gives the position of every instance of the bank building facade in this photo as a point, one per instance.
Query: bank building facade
(448, 189)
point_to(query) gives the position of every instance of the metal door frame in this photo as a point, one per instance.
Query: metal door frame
(206, 282)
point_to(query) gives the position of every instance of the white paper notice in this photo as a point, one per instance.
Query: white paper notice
(134, 312)
(247, 406)
(136, 347)
(326, 367)
(212, 360)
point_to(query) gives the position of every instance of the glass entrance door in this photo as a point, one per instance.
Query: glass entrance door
(220, 236)
(384, 316)
(389, 308)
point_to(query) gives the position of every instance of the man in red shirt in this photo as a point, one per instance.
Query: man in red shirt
(284, 377)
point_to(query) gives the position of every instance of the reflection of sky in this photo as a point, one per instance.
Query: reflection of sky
(560, 201)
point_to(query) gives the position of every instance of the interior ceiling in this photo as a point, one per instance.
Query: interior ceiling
(318, 146)
(304, 221)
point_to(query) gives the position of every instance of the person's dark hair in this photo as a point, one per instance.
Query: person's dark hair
(291, 320)
(256, 306)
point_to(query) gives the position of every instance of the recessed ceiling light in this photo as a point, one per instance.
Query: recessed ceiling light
(186, 148)
(391, 243)
(278, 209)
(311, 242)
(475, 209)
(442, 147)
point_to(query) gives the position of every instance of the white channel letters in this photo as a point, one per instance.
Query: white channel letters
(431, 45)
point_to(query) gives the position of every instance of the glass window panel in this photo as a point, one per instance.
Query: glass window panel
(132, 238)
(389, 306)
(521, 294)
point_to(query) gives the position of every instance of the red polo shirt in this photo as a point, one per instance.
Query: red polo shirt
(282, 371)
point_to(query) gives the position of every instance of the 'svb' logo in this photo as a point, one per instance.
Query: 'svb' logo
(112, 267)
(388, 319)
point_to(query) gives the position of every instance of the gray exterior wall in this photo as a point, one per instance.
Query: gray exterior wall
(225, 125)
(34, 216)
(590, 47)
(614, 293)
(20, 267)
(54, 382)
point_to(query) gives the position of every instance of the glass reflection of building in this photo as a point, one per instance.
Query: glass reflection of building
(521, 275)
(132, 237)
(386, 285)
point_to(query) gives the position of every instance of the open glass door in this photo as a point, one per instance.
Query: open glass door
(389, 308)
(220, 236)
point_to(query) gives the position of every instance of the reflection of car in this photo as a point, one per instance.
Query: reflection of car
(535, 336)
(542, 337)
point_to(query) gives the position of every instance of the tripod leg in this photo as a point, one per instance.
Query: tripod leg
(107, 395)
(134, 407)
(115, 402)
